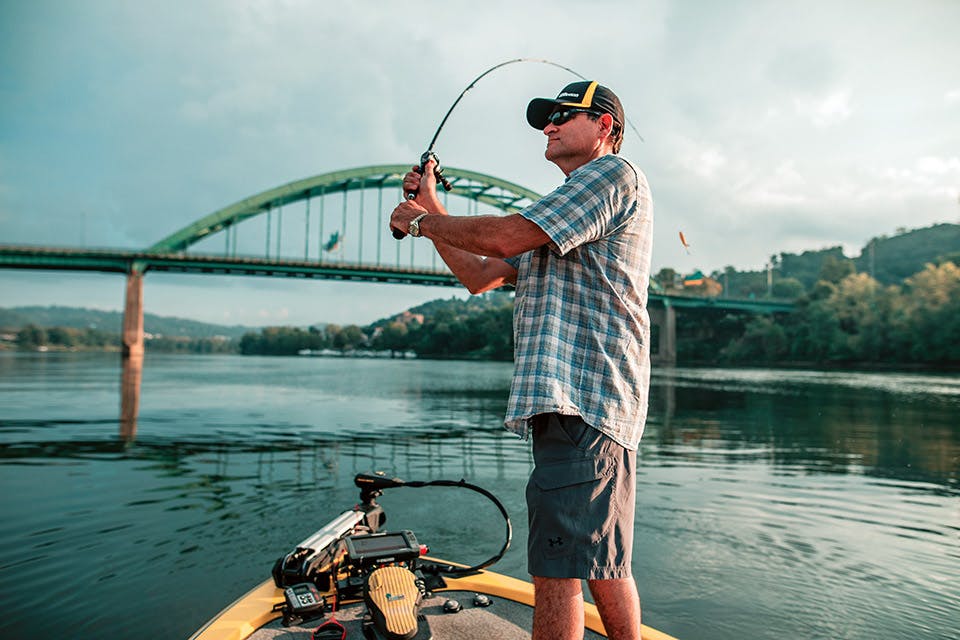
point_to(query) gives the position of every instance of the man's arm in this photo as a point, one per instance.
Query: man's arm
(464, 243)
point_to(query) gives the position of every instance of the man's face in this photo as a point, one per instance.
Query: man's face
(573, 143)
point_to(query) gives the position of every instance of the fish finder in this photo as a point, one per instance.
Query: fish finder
(382, 548)
(302, 602)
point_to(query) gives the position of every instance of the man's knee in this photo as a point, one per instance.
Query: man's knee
(558, 587)
(558, 608)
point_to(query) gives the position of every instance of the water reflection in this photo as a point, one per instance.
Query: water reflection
(130, 378)
(810, 422)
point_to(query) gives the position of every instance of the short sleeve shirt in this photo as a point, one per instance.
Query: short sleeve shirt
(581, 329)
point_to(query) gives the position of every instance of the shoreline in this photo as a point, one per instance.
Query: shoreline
(877, 367)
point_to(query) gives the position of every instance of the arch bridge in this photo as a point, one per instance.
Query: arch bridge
(333, 226)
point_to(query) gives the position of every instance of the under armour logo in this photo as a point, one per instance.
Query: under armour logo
(555, 542)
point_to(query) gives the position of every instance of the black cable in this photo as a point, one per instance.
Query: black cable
(503, 511)
(372, 486)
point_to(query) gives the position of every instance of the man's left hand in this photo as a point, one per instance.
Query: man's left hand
(404, 214)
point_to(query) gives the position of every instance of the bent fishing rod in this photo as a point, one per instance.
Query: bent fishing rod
(428, 154)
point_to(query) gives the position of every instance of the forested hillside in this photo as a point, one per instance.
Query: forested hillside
(111, 322)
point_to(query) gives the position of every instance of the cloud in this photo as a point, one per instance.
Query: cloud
(930, 177)
(938, 166)
(697, 159)
(781, 187)
(825, 110)
(952, 97)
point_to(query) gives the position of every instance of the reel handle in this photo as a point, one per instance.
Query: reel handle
(437, 173)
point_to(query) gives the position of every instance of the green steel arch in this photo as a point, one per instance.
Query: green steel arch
(503, 195)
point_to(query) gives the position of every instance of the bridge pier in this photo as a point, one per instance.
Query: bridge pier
(133, 315)
(664, 351)
(132, 353)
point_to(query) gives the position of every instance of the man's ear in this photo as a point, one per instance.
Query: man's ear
(607, 121)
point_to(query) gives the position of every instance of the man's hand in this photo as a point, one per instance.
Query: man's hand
(425, 201)
(404, 214)
(424, 186)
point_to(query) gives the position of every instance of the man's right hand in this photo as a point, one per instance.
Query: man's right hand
(425, 187)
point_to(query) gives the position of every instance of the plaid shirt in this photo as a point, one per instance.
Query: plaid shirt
(580, 323)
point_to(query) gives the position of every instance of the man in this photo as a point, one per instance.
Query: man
(580, 259)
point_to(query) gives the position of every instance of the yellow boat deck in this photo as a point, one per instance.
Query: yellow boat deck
(509, 617)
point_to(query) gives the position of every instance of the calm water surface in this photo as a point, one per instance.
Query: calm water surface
(771, 504)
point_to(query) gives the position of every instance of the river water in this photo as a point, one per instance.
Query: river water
(771, 504)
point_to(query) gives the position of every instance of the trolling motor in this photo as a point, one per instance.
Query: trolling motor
(353, 559)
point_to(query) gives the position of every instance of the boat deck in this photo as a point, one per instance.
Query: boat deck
(503, 620)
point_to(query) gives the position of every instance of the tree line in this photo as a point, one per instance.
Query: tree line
(857, 319)
(844, 317)
(32, 337)
(451, 331)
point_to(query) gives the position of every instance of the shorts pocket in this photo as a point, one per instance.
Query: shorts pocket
(556, 475)
(570, 505)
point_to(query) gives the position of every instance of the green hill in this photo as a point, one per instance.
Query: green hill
(14, 318)
(892, 259)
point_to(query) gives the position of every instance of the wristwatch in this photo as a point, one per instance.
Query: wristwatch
(414, 229)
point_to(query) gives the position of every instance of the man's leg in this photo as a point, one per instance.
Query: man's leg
(619, 606)
(558, 609)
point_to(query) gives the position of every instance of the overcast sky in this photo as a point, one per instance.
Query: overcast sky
(768, 126)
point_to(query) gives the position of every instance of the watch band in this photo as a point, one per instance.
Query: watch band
(414, 229)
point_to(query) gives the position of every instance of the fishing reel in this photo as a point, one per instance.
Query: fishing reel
(437, 173)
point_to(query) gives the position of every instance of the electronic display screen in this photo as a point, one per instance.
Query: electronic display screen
(379, 544)
(383, 547)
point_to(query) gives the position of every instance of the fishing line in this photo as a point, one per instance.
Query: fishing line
(491, 70)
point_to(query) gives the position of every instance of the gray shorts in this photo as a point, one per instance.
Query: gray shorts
(580, 501)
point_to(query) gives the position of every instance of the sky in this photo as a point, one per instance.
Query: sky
(767, 127)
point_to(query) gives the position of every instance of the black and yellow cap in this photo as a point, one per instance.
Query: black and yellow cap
(587, 94)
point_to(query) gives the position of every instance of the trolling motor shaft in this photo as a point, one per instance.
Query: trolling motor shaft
(437, 172)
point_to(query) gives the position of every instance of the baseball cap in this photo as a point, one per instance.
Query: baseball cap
(587, 94)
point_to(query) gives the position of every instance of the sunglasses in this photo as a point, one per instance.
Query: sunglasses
(558, 118)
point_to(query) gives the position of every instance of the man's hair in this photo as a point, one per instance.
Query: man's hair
(616, 131)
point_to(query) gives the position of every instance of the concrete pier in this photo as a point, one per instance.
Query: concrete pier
(665, 317)
(133, 315)
(132, 365)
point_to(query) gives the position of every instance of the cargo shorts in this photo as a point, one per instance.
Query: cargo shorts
(580, 501)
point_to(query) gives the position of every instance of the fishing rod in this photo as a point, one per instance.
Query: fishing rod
(428, 154)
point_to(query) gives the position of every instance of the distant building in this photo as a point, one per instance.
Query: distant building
(702, 285)
(695, 279)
